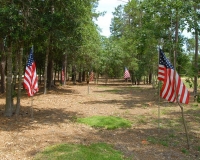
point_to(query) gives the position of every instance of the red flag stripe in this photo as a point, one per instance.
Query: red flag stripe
(167, 91)
(161, 73)
(126, 74)
(91, 76)
(172, 83)
(30, 76)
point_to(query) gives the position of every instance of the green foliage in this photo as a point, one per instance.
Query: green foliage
(195, 105)
(164, 142)
(189, 81)
(137, 30)
(152, 140)
(100, 151)
(140, 27)
(198, 98)
(105, 122)
(111, 58)
(185, 151)
(141, 119)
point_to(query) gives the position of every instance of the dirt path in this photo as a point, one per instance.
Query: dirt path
(54, 118)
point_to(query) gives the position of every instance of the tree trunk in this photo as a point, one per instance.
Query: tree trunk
(50, 74)
(74, 74)
(83, 76)
(3, 64)
(150, 76)
(40, 75)
(16, 67)
(59, 76)
(65, 68)
(80, 77)
(9, 102)
(175, 55)
(55, 72)
(45, 68)
(52, 70)
(196, 58)
(20, 82)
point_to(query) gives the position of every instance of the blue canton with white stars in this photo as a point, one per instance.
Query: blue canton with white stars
(164, 61)
(30, 59)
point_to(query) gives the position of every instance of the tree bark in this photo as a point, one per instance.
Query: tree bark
(177, 96)
(83, 76)
(50, 74)
(9, 102)
(3, 65)
(65, 68)
(15, 71)
(55, 72)
(74, 74)
(20, 82)
(196, 57)
(46, 65)
(150, 77)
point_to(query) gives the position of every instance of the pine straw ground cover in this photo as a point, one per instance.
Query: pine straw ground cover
(55, 115)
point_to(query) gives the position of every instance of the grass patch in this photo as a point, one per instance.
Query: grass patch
(126, 112)
(165, 111)
(165, 141)
(99, 151)
(141, 119)
(152, 140)
(185, 151)
(113, 91)
(144, 106)
(172, 123)
(103, 86)
(195, 105)
(170, 140)
(109, 122)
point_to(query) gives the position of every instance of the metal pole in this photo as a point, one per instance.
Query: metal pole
(31, 109)
(177, 96)
(159, 97)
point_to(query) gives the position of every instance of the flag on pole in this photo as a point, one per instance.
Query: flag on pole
(172, 84)
(30, 76)
(126, 73)
(91, 76)
(63, 75)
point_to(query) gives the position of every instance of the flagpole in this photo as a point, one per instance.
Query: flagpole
(32, 95)
(158, 96)
(177, 99)
(31, 79)
(31, 107)
(177, 96)
(166, 66)
(88, 89)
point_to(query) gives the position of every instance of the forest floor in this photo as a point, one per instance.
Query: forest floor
(55, 114)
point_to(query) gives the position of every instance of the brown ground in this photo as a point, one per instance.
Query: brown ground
(54, 116)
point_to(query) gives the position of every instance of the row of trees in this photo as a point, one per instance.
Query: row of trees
(64, 35)
(140, 27)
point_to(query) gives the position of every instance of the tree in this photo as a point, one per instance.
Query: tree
(61, 24)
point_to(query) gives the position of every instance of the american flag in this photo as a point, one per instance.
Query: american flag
(91, 76)
(171, 82)
(30, 76)
(126, 73)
